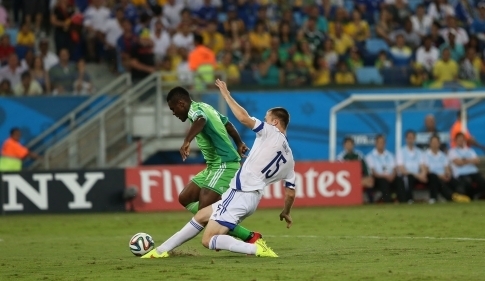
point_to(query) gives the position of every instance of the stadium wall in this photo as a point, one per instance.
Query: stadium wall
(318, 184)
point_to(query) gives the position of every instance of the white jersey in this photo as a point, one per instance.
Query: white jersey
(269, 161)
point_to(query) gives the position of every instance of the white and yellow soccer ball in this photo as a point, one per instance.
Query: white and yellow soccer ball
(141, 243)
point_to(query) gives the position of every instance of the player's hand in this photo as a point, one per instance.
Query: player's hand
(242, 149)
(185, 150)
(287, 218)
(222, 87)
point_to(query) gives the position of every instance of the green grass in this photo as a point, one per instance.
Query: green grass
(357, 243)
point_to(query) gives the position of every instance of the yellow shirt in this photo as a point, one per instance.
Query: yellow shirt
(231, 70)
(214, 42)
(25, 39)
(477, 64)
(343, 43)
(260, 41)
(170, 77)
(346, 78)
(2, 30)
(322, 78)
(445, 71)
(139, 2)
(176, 60)
(359, 32)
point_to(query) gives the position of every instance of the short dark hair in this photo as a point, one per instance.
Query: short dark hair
(348, 139)
(410, 132)
(198, 39)
(179, 93)
(13, 130)
(460, 134)
(380, 136)
(281, 114)
(434, 136)
(25, 74)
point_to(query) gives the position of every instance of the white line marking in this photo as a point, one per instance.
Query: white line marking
(380, 237)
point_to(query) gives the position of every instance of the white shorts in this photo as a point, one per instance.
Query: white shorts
(235, 206)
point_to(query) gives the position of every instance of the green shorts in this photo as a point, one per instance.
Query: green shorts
(217, 177)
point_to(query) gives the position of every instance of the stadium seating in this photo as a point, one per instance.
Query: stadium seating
(369, 75)
(374, 45)
(398, 76)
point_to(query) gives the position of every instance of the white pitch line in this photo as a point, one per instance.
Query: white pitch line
(380, 237)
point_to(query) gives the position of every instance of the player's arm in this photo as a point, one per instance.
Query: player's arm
(239, 112)
(231, 130)
(290, 195)
(241, 146)
(196, 128)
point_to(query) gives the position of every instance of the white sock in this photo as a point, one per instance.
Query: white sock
(226, 242)
(189, 231)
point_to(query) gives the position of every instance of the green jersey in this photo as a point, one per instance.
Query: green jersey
(213, 140)
(354, 156)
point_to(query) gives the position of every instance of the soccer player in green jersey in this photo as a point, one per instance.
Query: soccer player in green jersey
(211, 131)
(349, 154)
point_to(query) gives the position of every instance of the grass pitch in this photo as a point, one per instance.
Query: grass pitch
(396, 242)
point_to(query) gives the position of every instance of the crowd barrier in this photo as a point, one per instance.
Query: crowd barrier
(317, 184)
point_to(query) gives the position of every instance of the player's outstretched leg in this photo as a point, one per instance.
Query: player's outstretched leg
(189, 231)
(215, 239)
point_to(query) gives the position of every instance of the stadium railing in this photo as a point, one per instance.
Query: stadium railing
(80, 115)
(114, 136)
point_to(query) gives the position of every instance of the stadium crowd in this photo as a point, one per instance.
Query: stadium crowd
(269, 42)
(425, 161)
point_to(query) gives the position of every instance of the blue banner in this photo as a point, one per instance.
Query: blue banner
(33, 114)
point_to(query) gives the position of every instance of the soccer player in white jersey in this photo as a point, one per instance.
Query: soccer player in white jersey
(270, 160)
(439, 174)
(464, 162)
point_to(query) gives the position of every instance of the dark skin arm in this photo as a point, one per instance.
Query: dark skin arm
(241, 146)
(196, 128)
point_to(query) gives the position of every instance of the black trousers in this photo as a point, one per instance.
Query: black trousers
(437, 185)
(387, 188)
(465, 185)
(409, 182)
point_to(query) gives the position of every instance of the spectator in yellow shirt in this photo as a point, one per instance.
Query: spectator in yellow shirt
(445, 69)
(213, 39)
(26, 37)
(358, 28)
(321, 76)
(344, 76)
(260, 39)
(342, 41)
(231, 70)
(168, 74)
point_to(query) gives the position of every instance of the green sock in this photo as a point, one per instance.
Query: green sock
(193, 207)
(241, 233)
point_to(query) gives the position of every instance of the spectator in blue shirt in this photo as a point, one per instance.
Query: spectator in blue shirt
(206, 13)
(478, 25)
(247, 12)
(464, 11)
(131, 13)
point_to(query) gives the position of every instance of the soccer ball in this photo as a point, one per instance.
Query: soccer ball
(141, 243)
